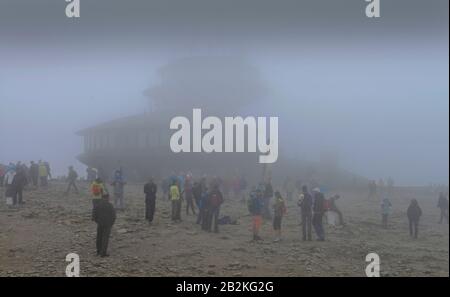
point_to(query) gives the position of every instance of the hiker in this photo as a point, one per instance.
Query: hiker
(150, 189)
(215, 200)
(165, 185)
(255, 207)
(98, 190)
(443, 206)
(175, 197)
(34, 173)
(236, 186)
(118, 188)
(2, 174)
(318, 212)
(243, 184)
(19, 183)
(188, 195)
(105, 216)
(202, 217)
(385, 211)
(372, 190)
(335, 209)
(289, 188)
(268, 194)
(414, 213)
(305, 204)
(10, 185)
(71, 179)
(279, 212)
(43, 174)
(197, 195)
(91, 174)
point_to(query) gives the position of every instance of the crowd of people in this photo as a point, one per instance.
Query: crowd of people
(203, 197)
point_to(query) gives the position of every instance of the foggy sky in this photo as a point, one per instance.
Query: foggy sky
(375, 91)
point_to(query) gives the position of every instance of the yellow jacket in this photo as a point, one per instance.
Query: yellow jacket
(97, 189)
(174, 193)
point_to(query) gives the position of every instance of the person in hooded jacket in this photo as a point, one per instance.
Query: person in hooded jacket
(104, 216)
(414, 213)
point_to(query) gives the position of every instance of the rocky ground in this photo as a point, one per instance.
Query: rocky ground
(36, 237)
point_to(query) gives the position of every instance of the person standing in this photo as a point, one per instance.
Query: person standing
(189, 195)
(175, 197)
(318, 212)
(118, 188)
(255, 207)
(43, 174)
(150, 190)
(385, 211)
(98, 190)
(414, 213)
(71, 179)
(268, 194)
(104, 216)
(443, 206)
(335, 209)
(215, 200)
(19, 182)
(279, 212)
(34, 173)
(91, 175)
(305, 204)
(10, 185)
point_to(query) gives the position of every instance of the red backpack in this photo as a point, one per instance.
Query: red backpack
(216, 199)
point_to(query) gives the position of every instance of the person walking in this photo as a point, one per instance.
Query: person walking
(71, 179)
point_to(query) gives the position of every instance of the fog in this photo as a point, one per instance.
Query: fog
(373, 91)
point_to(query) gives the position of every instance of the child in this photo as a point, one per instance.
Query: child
(279, 211)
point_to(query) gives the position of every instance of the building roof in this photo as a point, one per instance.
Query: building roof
(129, 122)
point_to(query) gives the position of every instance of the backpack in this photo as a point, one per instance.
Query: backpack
(326, 204)
(96, 189)
(252, 205)
(216, 199)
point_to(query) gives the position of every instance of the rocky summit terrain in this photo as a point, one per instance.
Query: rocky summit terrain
(36, 237)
